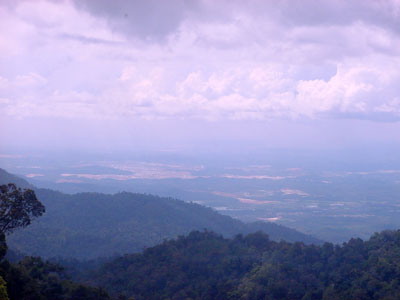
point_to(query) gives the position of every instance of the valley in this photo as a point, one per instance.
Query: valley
(352, 201)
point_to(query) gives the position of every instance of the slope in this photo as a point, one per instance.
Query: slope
(91, 225)
(205, 266)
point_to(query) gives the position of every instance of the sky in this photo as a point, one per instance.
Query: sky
(182, 75)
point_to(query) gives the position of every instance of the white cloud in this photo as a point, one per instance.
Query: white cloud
(214, 61)
(29, 80)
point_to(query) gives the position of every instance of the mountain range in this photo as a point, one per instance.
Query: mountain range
(92, 225)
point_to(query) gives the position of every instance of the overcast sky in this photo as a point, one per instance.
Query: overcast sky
(168, 74)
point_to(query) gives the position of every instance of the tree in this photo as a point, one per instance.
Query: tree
(17, 209)
(3, 289)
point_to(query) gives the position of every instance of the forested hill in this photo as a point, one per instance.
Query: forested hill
(205, 266)
(90, 225)
(6, 177)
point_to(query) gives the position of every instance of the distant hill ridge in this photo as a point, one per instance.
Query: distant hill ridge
(6, 177)
(91, 225)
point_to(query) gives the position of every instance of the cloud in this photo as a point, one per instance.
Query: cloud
(29, 80)
(150, 20)
(209, 60)
(156, 20)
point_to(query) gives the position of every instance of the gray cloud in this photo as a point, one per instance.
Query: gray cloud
(150, 19)
(154, 20)
(338, 12)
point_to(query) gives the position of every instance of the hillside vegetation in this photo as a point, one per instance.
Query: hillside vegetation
(205, 265)
(35, 279)
(202, 265)
(91, 225)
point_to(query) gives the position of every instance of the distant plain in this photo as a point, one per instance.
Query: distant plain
(298, 190)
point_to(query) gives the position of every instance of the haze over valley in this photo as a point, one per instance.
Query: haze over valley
(348, 197)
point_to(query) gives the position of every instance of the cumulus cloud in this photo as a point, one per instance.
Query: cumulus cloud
(212, 60)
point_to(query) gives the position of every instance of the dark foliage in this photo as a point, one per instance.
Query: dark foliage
(31, 278)
(34, 279)
(91, 225)
(17, 207)
(204, 265)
